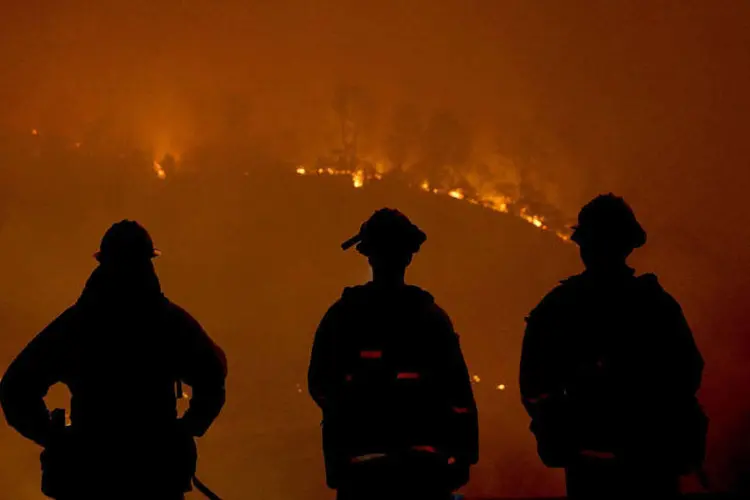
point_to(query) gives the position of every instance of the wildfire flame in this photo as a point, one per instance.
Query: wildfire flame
(495, 202)
(533, 219)
(456, 193)
(358, 178)
(160, 173)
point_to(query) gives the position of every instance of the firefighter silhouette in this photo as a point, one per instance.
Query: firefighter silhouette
(121, 349)
(609, 370)
(399, 417)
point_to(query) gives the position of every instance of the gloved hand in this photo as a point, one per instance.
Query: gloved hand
(57, 459)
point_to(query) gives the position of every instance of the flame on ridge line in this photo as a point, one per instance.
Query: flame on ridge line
(160, 172)
(498, 203)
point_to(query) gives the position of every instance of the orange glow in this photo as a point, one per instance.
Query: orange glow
(160, 173)
(524, 109)
(501, 387)
(476, 379)
(358, 178)
(457, 194)
(532, 219)
(492, 201)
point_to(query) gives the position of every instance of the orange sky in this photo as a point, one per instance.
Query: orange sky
(647, 99)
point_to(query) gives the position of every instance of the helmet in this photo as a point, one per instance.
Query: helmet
(387, 230)
(608, 219)
(126, 241)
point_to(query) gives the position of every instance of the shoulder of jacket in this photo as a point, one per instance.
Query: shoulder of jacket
(559, 297)
(177, 314)
(575, 280)
(421, 294)
(649, 280)
(354, 292)
(654, 291)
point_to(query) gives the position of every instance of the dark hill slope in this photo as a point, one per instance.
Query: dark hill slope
(257, 260)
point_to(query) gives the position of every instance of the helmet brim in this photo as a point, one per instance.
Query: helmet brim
(155, 254)
(636, 239)
(351, 242)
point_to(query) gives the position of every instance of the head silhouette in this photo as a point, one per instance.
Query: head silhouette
(607, 233)
(389, 240)
(126, 245)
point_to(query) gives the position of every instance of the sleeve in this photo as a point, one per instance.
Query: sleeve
(539, 377)
(203, 366)
(27, 380)
(458, 390)
(686, 373)
(321, 372)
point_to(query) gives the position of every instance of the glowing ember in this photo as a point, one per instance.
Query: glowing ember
(34, 132)
(301, 171)
(358, 178)
(425, 186)
(457, 194)
(160, 173)
(476, 379)
(532, 219)
(501, 387)
(497, 203)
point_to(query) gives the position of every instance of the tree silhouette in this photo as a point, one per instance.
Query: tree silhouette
(355, 110)
(445, 143)
(403, 137)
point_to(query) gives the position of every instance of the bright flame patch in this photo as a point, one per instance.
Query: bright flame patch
(456, 193)
(358, 178)
(495, 202)
(160, 173)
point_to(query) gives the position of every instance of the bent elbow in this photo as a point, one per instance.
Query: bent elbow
(7, 400)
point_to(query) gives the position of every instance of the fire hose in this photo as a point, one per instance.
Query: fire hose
(199, 485)
(205, 490)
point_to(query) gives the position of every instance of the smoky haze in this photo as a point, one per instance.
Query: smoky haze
(558, 100)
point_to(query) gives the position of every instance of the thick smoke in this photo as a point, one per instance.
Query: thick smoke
(547, 105)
